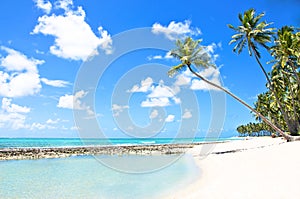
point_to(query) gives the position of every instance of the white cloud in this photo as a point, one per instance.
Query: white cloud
(117, 109)
(156, 57)
(175, 30)
(170, 118)
(161, 91)
(166, 56)
(145, 86)
(16, 61)
(19, 85)
(41, 126)
(153, 114)
(159, 95)
(13, 116)
(187, 114)
(44, 5)
(20, 76)
(13, 121)
(186, 78)
(50, 121)
(13, 108)
(210, 49)
(72, 101)
(211, 74)
(64, 4)
(153, 102)
(74, 128)
(74, 38)
(55, 83)
(176, 100)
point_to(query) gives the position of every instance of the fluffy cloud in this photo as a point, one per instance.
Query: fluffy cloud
(74, 38)
(183, 78)
(187, 114)
(145, 86)
(13, 116)
(40, 126)
(64, 4)
(170, 118)
(50, 121)
(166, 56)
(7, 106)
(20, 76)
(175, 30)
(159, 95)
(117, 109)
(55, 83)
(153, 114)
(154, 102)
(161, 91)
(188, 79)
(16, 61)
(72, 101)
(44, 5)
(212, 74)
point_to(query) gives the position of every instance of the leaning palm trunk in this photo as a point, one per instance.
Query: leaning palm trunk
(286, 136)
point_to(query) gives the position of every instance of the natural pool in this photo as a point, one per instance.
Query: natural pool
(87, 177)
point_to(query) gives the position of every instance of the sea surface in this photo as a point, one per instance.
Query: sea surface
(112, 177)
(86, 177)
(77, 142)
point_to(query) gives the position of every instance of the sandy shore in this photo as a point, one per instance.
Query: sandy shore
(254, 168)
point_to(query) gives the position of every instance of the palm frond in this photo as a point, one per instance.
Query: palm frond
(175, 69)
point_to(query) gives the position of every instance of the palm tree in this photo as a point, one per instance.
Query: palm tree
(252, 33)
(285, 50)
(190, 52)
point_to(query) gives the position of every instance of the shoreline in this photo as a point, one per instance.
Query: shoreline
(254, 168)
(23, 153)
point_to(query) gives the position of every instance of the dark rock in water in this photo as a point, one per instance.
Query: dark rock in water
(60, 152)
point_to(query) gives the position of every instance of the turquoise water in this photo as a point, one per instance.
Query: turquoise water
(65, 142)
(85, 177)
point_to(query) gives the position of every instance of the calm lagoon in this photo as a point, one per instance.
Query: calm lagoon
(88, 177)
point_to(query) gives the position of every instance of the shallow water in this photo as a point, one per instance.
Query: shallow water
(87, 177)
(67, 142)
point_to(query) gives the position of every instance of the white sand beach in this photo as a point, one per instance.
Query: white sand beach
(261, 168)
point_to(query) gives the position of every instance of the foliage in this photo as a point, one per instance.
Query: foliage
(281, 102)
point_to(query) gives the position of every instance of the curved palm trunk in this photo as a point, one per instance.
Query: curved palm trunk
(285, 116)
(286, 136)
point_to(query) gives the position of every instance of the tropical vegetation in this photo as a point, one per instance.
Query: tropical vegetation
(278, 109)
(280, 103)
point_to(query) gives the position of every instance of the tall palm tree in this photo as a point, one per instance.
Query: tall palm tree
(286, 86)
(252, 32)
(285, 50)
(190, 52)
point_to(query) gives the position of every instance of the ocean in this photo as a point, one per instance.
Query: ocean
(102, 176)
(76, 142)
(86, 177)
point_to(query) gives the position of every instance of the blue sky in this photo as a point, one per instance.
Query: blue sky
(45, 47)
